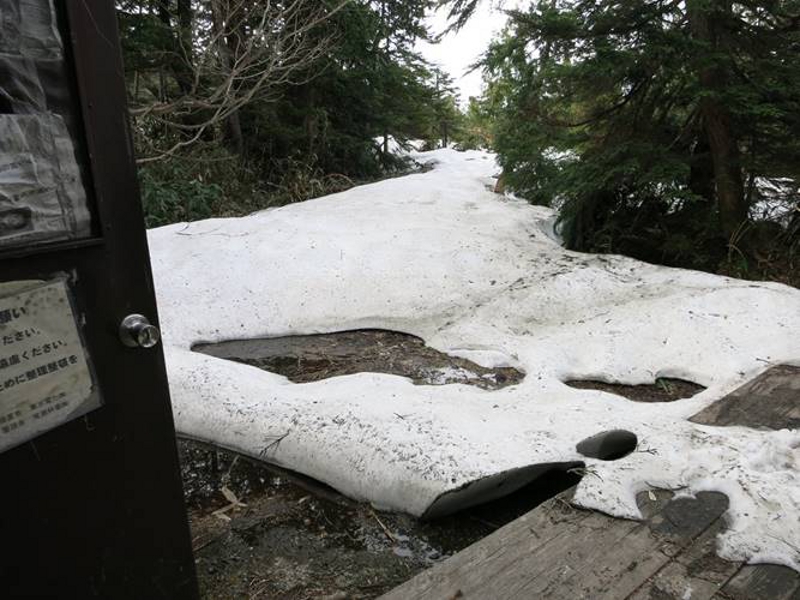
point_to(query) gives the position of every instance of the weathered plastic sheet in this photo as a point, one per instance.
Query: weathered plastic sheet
(21, 90)
(30, 26)
(42, 194)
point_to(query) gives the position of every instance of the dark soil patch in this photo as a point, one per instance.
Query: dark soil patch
(297, 538)
(663, 390)
(313, 357)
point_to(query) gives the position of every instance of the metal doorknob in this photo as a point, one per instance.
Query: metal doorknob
(135, 331)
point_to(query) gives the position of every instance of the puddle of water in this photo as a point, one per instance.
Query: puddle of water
(663, 390)
(307, 358)
(299, 538)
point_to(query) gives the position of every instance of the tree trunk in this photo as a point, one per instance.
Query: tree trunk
(384, 36)
(232, 128)
(162, 9)
(701, 174)
(183, 67)
(727, 169)
(233, 133)
(185, 23)
(308, 97)
(706, 18)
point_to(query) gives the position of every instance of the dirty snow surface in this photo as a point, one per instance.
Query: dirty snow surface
(483, 277)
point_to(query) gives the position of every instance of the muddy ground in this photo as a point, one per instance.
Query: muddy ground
(664, 389)
(306, 358)
(295, 538)
(261, 532)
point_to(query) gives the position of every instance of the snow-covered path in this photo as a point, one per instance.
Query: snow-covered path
(439, 256)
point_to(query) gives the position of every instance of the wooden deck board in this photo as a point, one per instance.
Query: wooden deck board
(771, 400)
(558, 551)
(771, 582)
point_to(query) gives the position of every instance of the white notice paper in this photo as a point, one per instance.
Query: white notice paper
(45, 378)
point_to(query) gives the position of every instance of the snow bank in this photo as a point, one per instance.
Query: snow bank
(439, 256)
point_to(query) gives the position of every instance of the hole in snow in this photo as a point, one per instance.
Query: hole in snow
(493, 487)
(663, 390)
(307, 358)
(608, 445)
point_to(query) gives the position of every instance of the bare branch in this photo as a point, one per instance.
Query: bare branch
(242, 51)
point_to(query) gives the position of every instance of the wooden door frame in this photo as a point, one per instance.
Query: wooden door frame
(94, 508)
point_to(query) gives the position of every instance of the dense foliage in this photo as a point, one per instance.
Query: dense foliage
(662, 128)
(667, 130)
(292, 99)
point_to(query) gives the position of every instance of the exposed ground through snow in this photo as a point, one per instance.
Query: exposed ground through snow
(297, 539)
(663, 390)
(482, 278)
(303, 359)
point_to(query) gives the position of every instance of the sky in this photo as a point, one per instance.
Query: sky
(457, 51)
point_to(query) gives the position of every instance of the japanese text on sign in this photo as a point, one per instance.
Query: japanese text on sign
(44, 373)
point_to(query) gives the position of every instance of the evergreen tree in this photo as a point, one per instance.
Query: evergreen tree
(476, 128)
(444, 104)
(656, 125)
(300, 97)
(374, 87)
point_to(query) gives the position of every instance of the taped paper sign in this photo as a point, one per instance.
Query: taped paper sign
(45, 378)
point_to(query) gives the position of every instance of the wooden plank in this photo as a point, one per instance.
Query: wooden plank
(558, 551)
(702, 561)
(673, 582)
(771, 582)
(696, 571)
(561, 552)
(771, 400)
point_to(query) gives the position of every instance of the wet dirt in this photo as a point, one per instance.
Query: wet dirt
(307, 358)
(262, 532)
(663, 390)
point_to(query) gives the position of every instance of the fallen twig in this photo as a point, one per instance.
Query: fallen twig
(273, 445)
(385, 529)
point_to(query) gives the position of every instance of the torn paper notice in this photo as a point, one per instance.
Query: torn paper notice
(45, 378)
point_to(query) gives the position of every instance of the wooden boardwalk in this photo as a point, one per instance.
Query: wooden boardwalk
(558, 551)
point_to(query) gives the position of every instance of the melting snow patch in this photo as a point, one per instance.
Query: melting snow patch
(477, 275)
